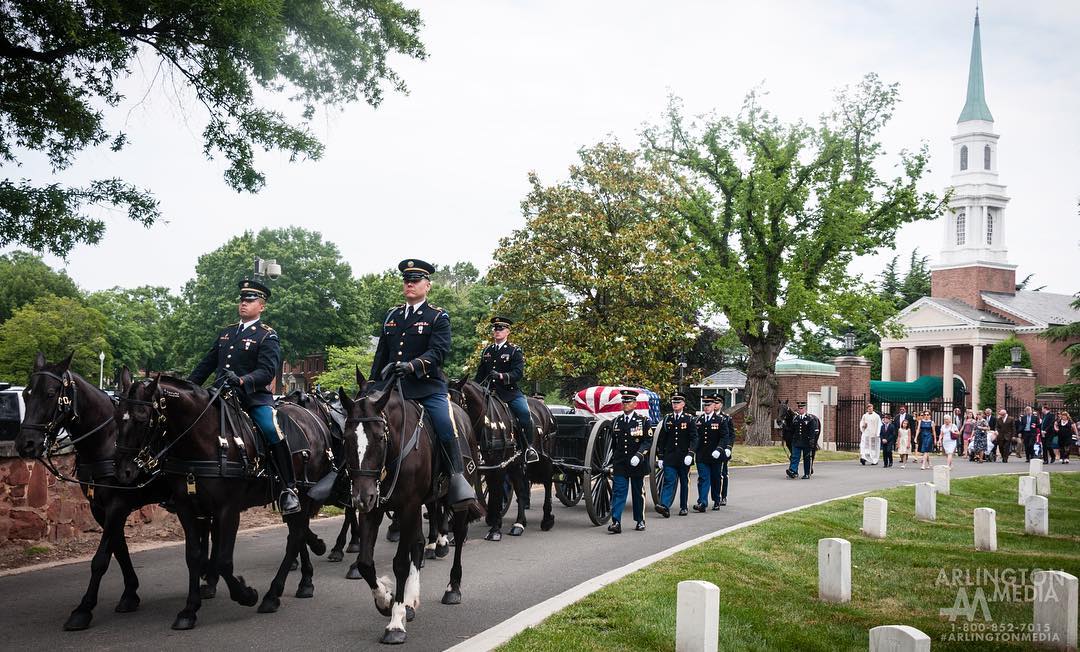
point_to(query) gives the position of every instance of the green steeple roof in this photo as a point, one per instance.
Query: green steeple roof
(975, 107)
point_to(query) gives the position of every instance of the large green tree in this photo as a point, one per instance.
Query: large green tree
(341, 365)
(777, 211)
(315, 304)
(138, 325)
(56, 326)
(24, 277)
(999, 357)
(600, 288)
(61, 63)
(1069, 335)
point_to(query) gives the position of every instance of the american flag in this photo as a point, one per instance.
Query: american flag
(606, 402)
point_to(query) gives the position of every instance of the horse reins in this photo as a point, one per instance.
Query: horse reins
(380, 473)
(143, 457)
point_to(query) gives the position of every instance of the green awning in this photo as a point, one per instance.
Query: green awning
(925, 388)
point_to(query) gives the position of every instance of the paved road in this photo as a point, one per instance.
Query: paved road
(501, 579)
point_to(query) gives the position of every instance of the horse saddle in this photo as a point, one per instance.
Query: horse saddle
(238, 429)
(439, 469)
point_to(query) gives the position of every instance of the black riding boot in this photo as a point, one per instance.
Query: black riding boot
(461, 493)
(288, 502)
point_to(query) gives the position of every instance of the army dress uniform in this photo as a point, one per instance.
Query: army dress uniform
(413, 345)
(504, 365)
(631, 440)
(246, 356)
(677, 439)
(803, 443)
(716, 436)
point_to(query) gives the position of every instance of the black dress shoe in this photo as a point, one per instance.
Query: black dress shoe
(791, 474)
(663, 511)
(862, 461)
(640, 527)
(806, 476)
(723, 501)
(683, 512)
(698, 507)
(615, 528)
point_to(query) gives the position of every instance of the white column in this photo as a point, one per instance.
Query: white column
(886, 364)
(947, 374)
(976, 374)
(912, 363)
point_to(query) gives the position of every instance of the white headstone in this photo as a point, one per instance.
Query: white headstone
(1037, 516)
(1035, 467)
(697, 617)
(1027, 489)
(985, 529)
(1042, 483)
(875, 517)
(941, 478)
(898, 638)
(1055, 609)
(834, 570)
(925, 501)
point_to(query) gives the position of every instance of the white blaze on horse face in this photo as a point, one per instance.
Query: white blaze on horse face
(412, 587)
(361, 444)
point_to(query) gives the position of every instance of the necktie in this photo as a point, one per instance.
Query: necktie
(408, 312)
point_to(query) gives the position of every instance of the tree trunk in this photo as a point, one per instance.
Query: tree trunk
(761, 385)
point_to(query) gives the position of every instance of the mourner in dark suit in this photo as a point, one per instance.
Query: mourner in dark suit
(246, 356)
(677, 440)
(715, 438)
(1047, 428)
(415, 341)
(503, 364)
(903, 416)
(803, 442)
(631, 441)
(1006, 430)
(1027, 427)
(888, 440)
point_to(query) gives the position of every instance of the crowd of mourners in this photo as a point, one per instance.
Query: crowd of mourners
(979, 435)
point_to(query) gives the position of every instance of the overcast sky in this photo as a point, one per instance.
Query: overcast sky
(511, 87)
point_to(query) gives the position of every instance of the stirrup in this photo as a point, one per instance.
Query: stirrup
(531, 456)
(288, 503)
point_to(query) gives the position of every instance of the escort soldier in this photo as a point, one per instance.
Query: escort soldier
(415, 341)
(803, 442)
(630, 446)
(246, 356)
(503, 364)
(677, 440)
(713, 453)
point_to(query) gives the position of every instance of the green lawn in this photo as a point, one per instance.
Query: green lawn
(750, 455)
(767, 574)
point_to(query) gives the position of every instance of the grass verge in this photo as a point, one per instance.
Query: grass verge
(767, 574)
(751, 455)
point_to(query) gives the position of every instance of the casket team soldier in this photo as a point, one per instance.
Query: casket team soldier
(631, 442)
(803, 442)
(677, 439)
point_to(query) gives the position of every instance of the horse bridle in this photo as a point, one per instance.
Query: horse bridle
(380, 473)
(67, 411)
(144, 457)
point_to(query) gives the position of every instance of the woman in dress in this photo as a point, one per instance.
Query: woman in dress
(926, 439)
(903, 440)
(1065, 431)
(967, 432)
(978, 441)
(948, 436)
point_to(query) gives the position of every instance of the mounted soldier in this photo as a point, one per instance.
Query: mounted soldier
(630, 447)
(246, 356)
(677, 439)
(503, 364)
(413, 345)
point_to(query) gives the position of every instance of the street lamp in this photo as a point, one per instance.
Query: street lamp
(1014, 354)
(849, 341)
(682, 370)
(101, 370)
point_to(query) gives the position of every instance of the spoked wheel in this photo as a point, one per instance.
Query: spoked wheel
(569, 489)
(598, 483)
(656, 475)
(482, 491)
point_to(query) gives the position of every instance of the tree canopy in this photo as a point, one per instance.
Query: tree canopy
(60, 64)
(999, 357)
(25, 277)
(56, 326)
(1069, 335)
(341, 365)
(776, 211)
(138, 325)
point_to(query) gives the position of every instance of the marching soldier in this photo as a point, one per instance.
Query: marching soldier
(631, 442)
(246, 356)
(677, 440)
(713, 453)
(803, 442)
(503, 364)
(414, 342)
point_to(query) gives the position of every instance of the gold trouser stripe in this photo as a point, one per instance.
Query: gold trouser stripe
(453, 421)
(273, 417)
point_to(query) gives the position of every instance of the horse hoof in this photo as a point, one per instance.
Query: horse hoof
(429, 553)
(442, 551)
(305, 590)
(451, 597)
(127, 604)
(517, 530)
(385, 611)
(317, 547)
(353, 574)
(335, 555)
(184, 621)
(207, 591)
(547, 523)
(294, 565)
(493, 535)
(245, 596)
(410, 613)
(78, 621)
(393, 536)
(393, 637)
(269, 604)
(354, 547)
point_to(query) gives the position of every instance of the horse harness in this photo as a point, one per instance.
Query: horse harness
(380, 473)
(491, 427)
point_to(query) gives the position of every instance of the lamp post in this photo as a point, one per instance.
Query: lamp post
(849, 341)
(101, 370)
(682, 370)
(1014, 355)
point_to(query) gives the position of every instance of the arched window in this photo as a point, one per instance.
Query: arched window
(986, 157)
(963, 157)
(989, 227)
(961, 228)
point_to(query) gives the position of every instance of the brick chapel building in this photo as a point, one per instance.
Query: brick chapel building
(974, 301)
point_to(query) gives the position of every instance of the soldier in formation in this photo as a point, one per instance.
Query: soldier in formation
(630, 449)
(677, 439)
(716, 436)
(803, 443)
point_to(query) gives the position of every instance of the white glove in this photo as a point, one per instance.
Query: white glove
(660, 464)
(687, 460)
(635, 460)
(727, 453)
(716, 455)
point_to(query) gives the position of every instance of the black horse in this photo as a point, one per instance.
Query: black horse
(173, 427)
(391, 456)
(57, 399)
(494, 425)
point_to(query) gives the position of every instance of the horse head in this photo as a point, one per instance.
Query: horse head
(48, 405)
(471, 396)
(367, 439)
(140, 423)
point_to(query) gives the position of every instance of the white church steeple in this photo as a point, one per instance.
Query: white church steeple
(975, 222)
